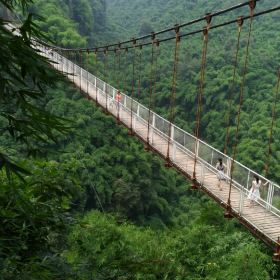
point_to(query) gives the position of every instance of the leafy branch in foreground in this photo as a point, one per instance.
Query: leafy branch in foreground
(24, 78)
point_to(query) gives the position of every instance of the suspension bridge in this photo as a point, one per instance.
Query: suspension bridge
(186, 152)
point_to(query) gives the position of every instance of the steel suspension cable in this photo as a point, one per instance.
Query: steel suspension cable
(115, 66)
(173, 93)
(240, 22)
(100, 49)
(87, 71)
(189, 23)
(125, 67)
(119, 80)
(96, 74)
(124, 82)
(60, 61)
(106, 78)
(273, 118)
(151, 90)
(152, 86)
(139, 73)
(73, 64)
(200, 93)
(81, 64)
(241, 96)
(132, 89)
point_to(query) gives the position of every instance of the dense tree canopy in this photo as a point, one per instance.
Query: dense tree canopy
(73, 161)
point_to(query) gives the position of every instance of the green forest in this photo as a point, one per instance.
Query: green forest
(79, 199)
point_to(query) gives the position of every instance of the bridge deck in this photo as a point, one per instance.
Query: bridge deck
(259, 219)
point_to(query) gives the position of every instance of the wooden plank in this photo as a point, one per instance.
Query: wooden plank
(257, 215)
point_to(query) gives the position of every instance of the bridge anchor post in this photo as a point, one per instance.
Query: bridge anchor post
(228, 212)
(276, 255)
(168, 163)
(147, 145)
(131, 132)
(194, 185)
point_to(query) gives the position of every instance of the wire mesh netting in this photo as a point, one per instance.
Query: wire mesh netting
(162, 125)
(242, 176)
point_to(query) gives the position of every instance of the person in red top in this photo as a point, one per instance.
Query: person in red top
(118, 98)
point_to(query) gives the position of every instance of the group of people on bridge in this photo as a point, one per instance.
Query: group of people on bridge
(254, 192)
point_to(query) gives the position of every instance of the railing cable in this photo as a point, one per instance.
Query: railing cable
(152, 85)
(252, 5)
(96, 75)
(173, 94)
(139, 73)
(189, 23)
(106, 78)
(87, 71)
(80, 55)
(132, 88)
(240, 22)
(119, 81)
(200, 93)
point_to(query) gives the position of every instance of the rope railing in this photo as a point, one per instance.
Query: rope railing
(167, 129)
(120, 45)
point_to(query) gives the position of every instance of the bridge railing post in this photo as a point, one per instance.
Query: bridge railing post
(96, 93)
(197, 149)
(114, 94)
(202, 173)
(212, 157)
(241, 201)
(248, 180)
(62, 64)
(74, 72)
(87, 80)
(69, 69)
(152, 127)
(124, 101)
(55, 59)
(269, 196)
(66, 67)
(138, 110)
(173, 143)
(136, 116)
(174, 150)
(59, 62)
(133, 115)
(172, 133)
(228, 168)
(81, 78)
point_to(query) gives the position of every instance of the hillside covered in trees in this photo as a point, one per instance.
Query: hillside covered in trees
(260, 82)
(81, 200)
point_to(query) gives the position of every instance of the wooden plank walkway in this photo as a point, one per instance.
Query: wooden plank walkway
(261, 222)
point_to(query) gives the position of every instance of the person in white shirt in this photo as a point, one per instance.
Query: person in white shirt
(221, 172)
(254, 193)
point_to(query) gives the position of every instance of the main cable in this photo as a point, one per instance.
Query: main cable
(189, 23)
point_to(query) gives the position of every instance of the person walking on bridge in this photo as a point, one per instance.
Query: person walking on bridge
(118, 99)
(254, 193)
(221, 172)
